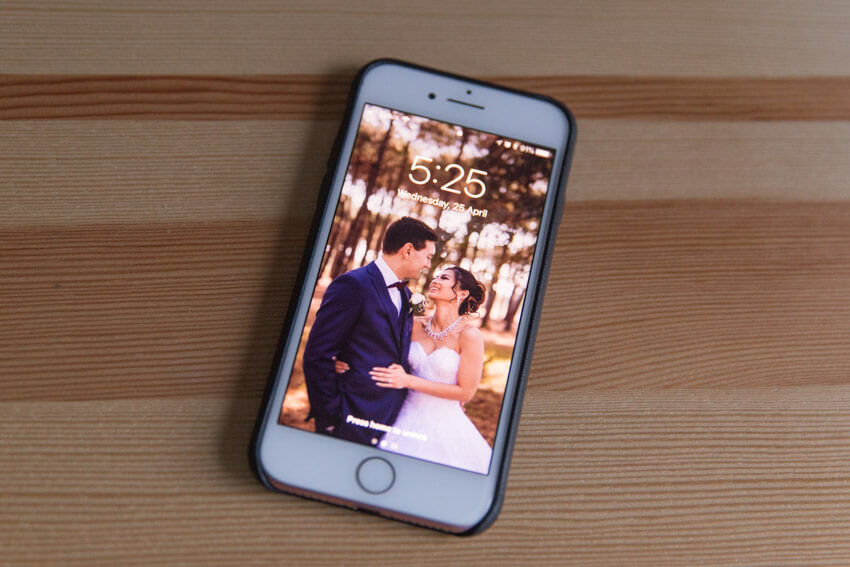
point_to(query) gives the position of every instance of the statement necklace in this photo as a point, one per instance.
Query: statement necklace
(442, 334)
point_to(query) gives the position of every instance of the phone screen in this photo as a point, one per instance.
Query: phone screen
(452, 323)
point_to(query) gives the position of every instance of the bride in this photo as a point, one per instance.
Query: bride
(446, 360)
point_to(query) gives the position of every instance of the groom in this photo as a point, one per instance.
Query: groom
(365, 320)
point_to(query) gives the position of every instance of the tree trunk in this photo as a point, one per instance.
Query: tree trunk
(513, 306)
(344, 256)
(491, 297)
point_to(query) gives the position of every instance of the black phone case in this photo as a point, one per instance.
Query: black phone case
(546, 249)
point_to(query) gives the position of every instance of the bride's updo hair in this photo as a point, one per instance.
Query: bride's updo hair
(467, 282)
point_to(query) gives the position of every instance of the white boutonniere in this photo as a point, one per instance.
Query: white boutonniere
(417, 304)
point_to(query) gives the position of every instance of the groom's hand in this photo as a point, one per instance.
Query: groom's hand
(340, 366)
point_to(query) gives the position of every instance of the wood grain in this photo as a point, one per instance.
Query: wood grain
(308, 96)
(688, 397)
(91, 172)
(748, 476)
(753, 38)
(643, 295)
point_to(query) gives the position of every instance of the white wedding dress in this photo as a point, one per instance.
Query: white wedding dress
(436, 429)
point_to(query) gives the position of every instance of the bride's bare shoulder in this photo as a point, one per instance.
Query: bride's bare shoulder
(471, 332)
(419, 324)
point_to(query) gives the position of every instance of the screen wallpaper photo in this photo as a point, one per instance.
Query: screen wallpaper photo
(373, 364)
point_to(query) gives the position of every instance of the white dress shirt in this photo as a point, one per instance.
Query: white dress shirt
(389, 279)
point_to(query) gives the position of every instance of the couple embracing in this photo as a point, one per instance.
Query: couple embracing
(375, 374)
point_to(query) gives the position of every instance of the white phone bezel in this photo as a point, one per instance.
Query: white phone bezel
(311, 464)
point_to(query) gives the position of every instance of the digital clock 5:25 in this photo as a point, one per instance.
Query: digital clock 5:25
(423, 175)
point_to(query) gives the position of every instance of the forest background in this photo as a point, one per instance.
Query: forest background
(398, 162)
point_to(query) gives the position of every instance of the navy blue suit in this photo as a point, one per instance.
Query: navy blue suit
(357, 323)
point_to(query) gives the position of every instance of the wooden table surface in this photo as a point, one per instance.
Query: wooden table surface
(688, 400)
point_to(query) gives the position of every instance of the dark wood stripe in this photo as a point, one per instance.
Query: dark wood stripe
(27, 97)
(642, 295)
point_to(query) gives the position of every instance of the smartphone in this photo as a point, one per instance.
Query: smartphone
(402, 364)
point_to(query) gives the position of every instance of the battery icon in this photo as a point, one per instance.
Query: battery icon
(540, 152)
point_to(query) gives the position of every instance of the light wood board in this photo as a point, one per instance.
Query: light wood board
(687, 404)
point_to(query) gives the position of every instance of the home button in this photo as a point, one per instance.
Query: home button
(375, 475)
